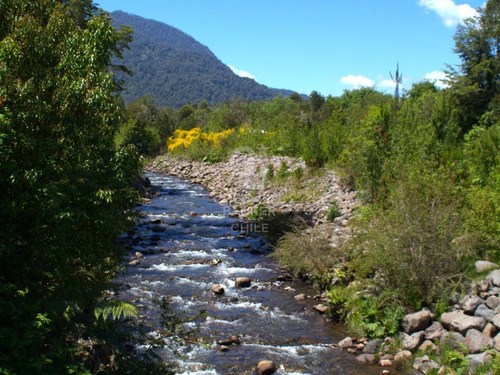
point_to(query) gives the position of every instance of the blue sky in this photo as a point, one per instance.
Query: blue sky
(322, 45)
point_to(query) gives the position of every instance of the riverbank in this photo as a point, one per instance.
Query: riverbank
(247, 182)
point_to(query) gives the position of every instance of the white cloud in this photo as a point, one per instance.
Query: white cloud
(437, 77)
(387, 83)
(451, 13)
(241, 73)
(357, 81)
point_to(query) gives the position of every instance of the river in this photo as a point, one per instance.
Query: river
(187, 242)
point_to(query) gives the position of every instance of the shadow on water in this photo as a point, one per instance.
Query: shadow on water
(187, 243)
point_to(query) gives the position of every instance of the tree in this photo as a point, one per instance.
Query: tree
(397, 79)
(64, 186)
(476, 83)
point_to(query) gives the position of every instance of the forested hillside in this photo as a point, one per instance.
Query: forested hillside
(175, 69)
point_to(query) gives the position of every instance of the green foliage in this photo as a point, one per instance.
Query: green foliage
(65, 189)
(116, 309)
(269, 173)
(476, 84)
(333, 211)
(307, 252)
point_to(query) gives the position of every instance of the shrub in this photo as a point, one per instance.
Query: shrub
(333, 211)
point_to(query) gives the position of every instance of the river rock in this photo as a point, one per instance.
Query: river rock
(346, 343)
(470, 303)
(218, 289)
(484, 312)
(435, 331)
(402, 356)
(373, 346)
(483, 266)
(417, 321)
(385, 363)
(476, 360)
(300, 297)
(411, 342)
(366, 359)
(134, 262)
(490, 330)
(242, 282)
(494, 278)
(424, 364)
(493, 302)
(458, 321)
(428, 346)
(477, 341)
(496, 342)
(320, 308)
(496, 320)
(266, 368)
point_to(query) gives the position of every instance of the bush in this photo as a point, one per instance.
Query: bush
(307, 251)
(333, 211)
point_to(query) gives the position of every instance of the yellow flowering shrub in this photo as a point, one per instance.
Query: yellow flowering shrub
(183, 139)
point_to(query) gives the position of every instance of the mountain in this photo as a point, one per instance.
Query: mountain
(175, 69)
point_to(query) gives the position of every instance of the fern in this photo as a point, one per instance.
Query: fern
(116, 309)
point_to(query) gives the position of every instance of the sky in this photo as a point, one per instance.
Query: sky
(323, 45)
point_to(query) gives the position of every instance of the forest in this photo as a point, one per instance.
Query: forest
(425, 162)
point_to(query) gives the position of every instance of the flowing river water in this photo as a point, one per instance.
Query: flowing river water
(189, 243)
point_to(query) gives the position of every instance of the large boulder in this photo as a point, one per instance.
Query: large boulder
(477, 341)
(417, 321)
(458, 321)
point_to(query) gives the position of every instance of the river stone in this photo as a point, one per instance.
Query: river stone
(435, 331)
(470, 303)
(483, 266)
(494, 278)
(428, 346)
(373, 346)
(242, 282)
(402, 356)
(490, 330)
(417, 321)
(477, 341)
(218, 289)
(424, 364)
(411, 342)
(493, 302)
(496, 320)
(300, 297)
(496, 342)
(458, 321)
(320, 308)
(346, 343)
(366, 359)
(385, 363)
(484, 312)
(476, 360)
(266, 368)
